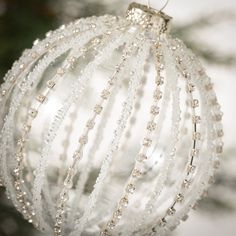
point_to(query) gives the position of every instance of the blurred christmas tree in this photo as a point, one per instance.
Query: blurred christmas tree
(21, 22)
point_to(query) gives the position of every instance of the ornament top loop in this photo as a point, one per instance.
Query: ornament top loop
(148, 17)
(148, 3)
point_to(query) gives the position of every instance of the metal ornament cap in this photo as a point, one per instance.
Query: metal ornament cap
(148, 18)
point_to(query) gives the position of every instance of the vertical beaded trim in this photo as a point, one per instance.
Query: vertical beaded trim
(83, 140)
(137, 171)
(196, 137)
(191, 168)
(84, 175)
(126, 111)
(174, 91)
(32, 114)
(132, 120)
(212, 110)
(99, 137)
(74, 94)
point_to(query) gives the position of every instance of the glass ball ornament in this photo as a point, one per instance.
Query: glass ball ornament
(109, 126)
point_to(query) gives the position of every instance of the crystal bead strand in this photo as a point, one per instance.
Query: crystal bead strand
(78, 154)
(49, 203)
(39, 49)
(49, 137)
(171, 211)
(65, 143)
(163, 108)
(191, 168)
(52, 82)
(118, 68)
(215, 114)
(172, 78)
(51, 41)
(92, 152)
(15, 103)
(26, 60)
(133, 120)
(65, 45)
(84, 175)
(23, 64)
(138, 39)
(58, 118)
(203, 85)
(137, 170)
(74, 87)
(199, 136)
(33, 112)
(179, 119)
(19, 157)
(135, 78)
(183, 64)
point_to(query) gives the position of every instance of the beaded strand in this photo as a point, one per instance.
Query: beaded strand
(83, 140)
(142, 156)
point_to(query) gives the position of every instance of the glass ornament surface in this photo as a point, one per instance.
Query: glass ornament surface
(109, 126)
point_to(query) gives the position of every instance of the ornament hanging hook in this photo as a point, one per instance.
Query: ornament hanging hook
(165, 5)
